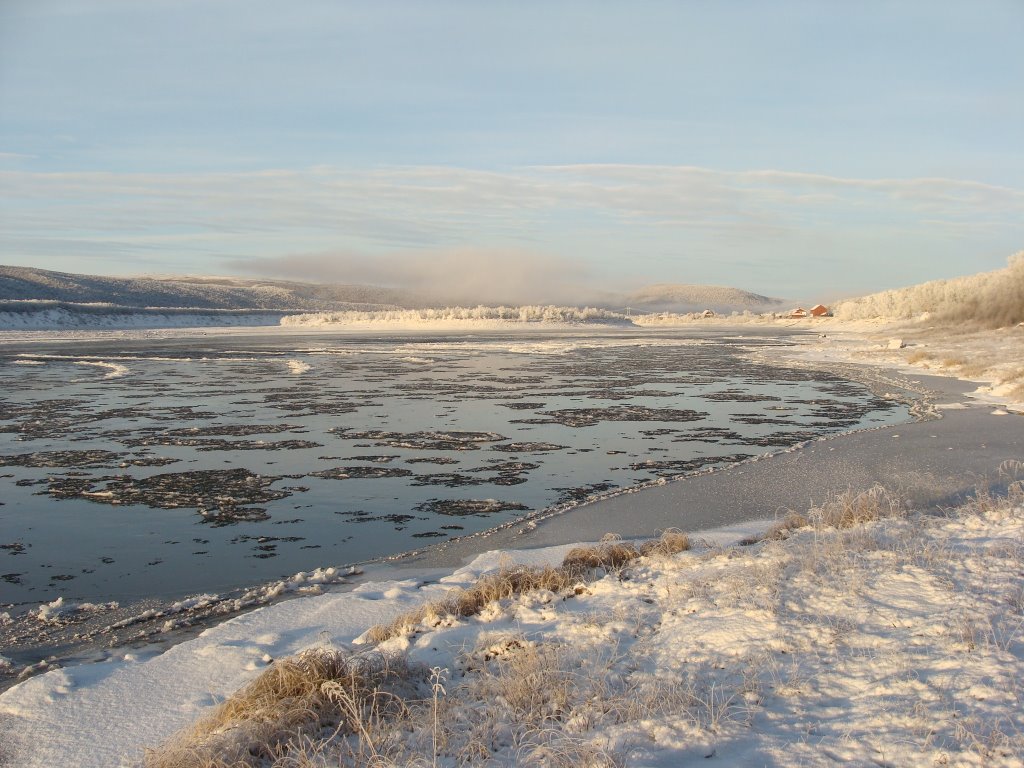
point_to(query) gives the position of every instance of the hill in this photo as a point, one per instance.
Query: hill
(208, 293)
(681, 297)
(39, 298)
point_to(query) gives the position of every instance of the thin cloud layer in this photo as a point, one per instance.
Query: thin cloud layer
(408, 226)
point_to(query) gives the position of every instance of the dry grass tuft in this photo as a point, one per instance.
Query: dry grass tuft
(844, 510)
(669, 543)
(852, 508)
(610, 554)
(277, 716)
(606, 556)
(293, 699)
(503, 583)
(782, 528)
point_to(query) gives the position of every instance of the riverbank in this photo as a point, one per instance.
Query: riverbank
(897, 639)
(858, 633)
(85, 710)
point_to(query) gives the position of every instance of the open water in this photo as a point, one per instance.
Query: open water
(162, 468)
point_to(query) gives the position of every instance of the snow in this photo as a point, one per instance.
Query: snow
(94, 715)
(899, 642)
(479, 317)
(890, 643)
(128, 318)
(990, 358)
(113, 370)
(53, 612)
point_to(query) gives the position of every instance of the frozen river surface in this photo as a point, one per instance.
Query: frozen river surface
(160, 468)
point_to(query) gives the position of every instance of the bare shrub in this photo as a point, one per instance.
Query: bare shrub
(852, 508)
(292, 699)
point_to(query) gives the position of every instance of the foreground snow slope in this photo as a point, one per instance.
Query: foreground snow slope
(896, 642)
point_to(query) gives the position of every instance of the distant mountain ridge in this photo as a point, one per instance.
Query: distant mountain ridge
(231, 293)
(40, 298)
(206, 293)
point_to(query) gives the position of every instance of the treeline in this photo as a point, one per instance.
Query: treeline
(524, 314)
(989, 299)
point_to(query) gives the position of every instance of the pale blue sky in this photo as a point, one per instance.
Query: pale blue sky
(792, 148)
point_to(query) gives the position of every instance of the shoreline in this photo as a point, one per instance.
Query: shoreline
(938, 459)
(612, 512)
(944, 436)
(151, 625)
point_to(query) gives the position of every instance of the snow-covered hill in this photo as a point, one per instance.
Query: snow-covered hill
(681, 297)
(41, 299)
(54, 315)
(25, 283)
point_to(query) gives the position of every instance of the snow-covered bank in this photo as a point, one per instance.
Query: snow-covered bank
(35, 317)
(893, 642)
(970, 327)
(48, 316)
(987, 299)
(991, 358)
(233, 658)
(461, 317)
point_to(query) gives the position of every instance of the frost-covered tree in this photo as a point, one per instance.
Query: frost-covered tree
(989, 299)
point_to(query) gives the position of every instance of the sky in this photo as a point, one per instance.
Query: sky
(811, 149)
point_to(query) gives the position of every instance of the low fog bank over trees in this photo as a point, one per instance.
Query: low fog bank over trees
(526, 314)
(989, 299)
